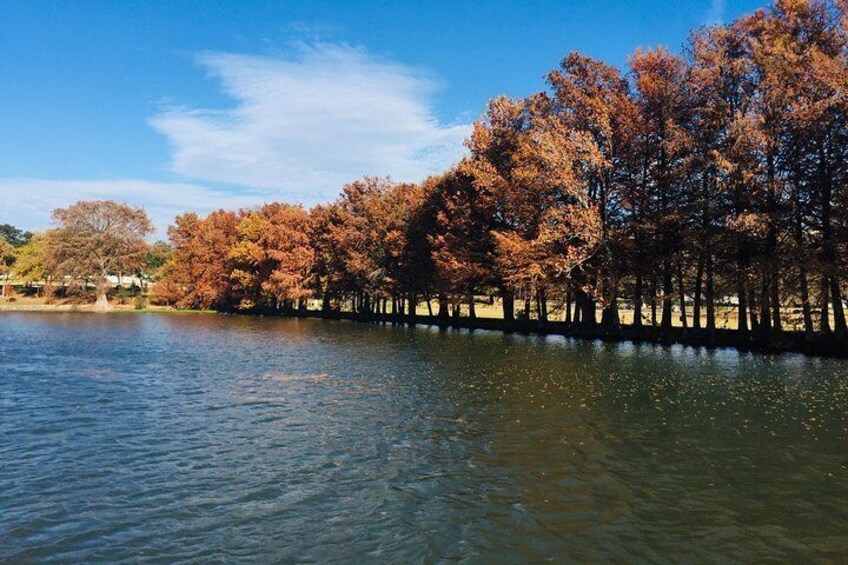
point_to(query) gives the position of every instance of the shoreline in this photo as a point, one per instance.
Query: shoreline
(89, 309)
(786, 342)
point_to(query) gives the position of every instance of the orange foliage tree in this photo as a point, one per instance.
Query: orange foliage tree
(714, 180)
(98, 238)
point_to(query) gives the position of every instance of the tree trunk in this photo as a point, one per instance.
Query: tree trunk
(682, 293)
(508, 300)
(825, 313)
(654, 300)
(710, 295)
(609, 315)
(578, 309)
(102, 303)
(538, 305)
(637, 301)
(838, 311)
(776, 319)
(413, 307)
(543, 306)
(765, 306)
(770, 275)
(806, 308)
(741, 295)
(742, 316)
(666, 300)
(587, 316)
(444, 307)
(752, 308)
(699, 282)
(830, 282)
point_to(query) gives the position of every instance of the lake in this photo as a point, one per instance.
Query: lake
(167, 438)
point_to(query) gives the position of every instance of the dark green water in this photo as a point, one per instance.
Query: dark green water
(215, 439)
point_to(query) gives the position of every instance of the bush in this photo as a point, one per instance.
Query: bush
(10, 291)
(123, 294)
(140, 302)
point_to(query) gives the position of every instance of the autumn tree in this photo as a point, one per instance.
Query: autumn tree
(357, 238)
(721, 124)
(660, 84)
(95, 239)
(272, 258)
(329, 278)
(532, 162)
(417, 272)
(406, 260)
(198, 275)
(463, 242)
(716, 178)
(594, 99)
(799, 49)
(366, 247)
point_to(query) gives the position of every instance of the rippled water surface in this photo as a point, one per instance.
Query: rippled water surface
(209, 438)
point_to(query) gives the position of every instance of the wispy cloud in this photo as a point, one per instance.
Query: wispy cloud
(34, 199)
(302, 126)
(311, 31)
(310, 121)
(716, 13)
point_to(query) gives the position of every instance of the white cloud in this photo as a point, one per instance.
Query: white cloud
(302, 126)
(310, 122)
(29, 202)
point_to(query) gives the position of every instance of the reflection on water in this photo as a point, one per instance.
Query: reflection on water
(173, 438)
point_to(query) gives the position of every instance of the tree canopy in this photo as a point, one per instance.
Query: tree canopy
(713, 178)
(678, 190)
(94, 239)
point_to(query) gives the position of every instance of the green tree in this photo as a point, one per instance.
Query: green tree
(31, 259)
(155, 258)
(14, 236)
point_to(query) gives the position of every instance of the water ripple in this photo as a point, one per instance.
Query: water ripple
(216, 439)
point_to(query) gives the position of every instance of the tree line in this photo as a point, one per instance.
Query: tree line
(683, 188)
(688, 182)
(90, 241)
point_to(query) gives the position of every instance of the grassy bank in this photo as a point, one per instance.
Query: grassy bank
(34, 304)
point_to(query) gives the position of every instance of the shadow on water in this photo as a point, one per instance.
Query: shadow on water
(193, 437)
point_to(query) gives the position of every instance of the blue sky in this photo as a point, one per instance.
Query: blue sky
(195, 105)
